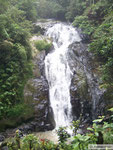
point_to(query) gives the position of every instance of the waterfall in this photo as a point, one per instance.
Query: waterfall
(58, 72)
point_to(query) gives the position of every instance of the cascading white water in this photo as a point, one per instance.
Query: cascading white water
(58, 72)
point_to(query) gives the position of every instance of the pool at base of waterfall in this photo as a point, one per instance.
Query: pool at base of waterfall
(49, 135)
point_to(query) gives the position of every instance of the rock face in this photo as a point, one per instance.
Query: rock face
(37, 93)
(86, 96)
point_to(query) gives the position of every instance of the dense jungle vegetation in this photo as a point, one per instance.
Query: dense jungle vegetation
(93, 17)
(16, 18)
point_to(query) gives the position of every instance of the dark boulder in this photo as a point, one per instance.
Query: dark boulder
(2, 137)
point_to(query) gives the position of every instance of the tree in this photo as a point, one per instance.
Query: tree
(30, 9)
(76, 7)
(15, 55)
(50, 9)
(4, 4)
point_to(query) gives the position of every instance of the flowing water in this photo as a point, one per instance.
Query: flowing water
(58, 72)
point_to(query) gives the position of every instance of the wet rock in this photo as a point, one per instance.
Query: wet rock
(4, 148)
(38, 29)
(86, 96)
(28, 128)
(37, 93)
(45, 24)
(85, 37)
(2, 137)
(51, 119)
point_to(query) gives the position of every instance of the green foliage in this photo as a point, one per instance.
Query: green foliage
(47, 145)
(43, 45)
(108, 133)
(98, 133)
(13, 116)
(85, 24)
(30, 142)
(97, 11)
(96, 23)
(15, 57)
(100, 119)
(13, 76)
(106, 130)
(4, 4)
(90, 8)
(75, 126)
(102, 47)
(80, 142)
(75, 8)
(62, 134)
(111, 109)
(30, 9)
(19, 110)
(50, 9)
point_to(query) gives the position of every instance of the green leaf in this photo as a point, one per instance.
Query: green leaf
(76, 145)
(96, 133)
(111, 109)
(97, 120)
(90, 129)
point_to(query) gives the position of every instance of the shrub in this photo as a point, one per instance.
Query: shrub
(15, 59)
(47, 145)
(102, 47)
(62, 134)
(85, 24)
(15, 115)
(43, 45)
(30, 142)
(19, 110)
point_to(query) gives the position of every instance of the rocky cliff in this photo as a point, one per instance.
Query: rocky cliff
(86, 95)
